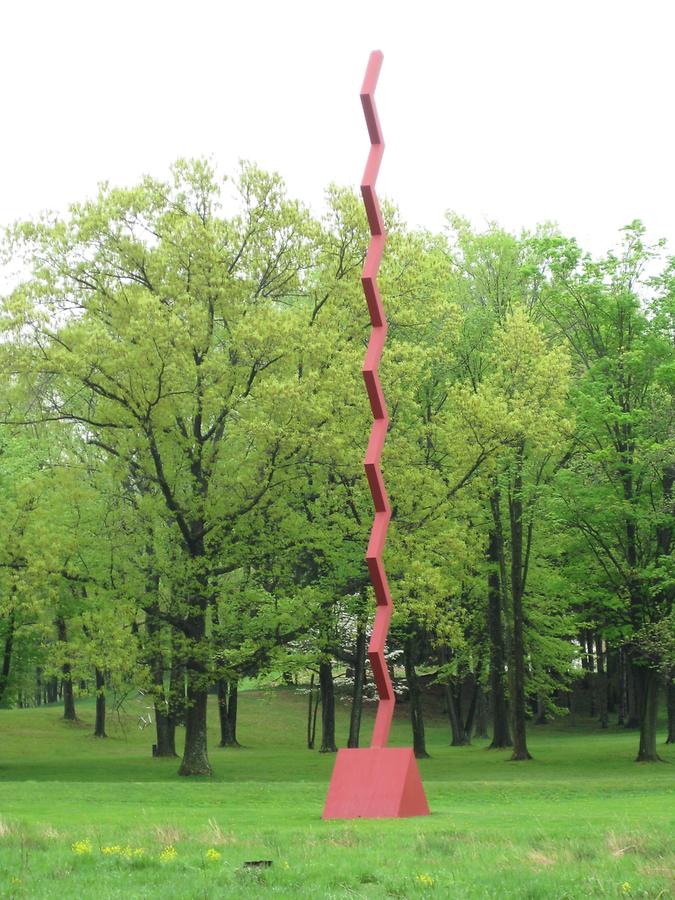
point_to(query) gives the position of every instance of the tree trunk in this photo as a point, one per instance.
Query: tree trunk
(520, 751)
(52, 689)
(416, 717)
(327, 707)
(165, 725)
(68, 696)
(603, 700)
(357, 692)
(232, 707)
(501, 736)
(195, 757)
(311, 714)
(541, 710)
(39, 686)
(623, 689)
(572, 704)
(670, 739)
(67, 680)
(7, 656)
(222, 713)
(317, 703)
(165, 729)
(647, 687)
(481, 716)
(611, 670)
(471, 714)
(455, 717)
(592, 681)
(99, 726)
(632, 695)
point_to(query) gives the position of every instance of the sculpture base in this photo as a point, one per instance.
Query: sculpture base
(375, 783)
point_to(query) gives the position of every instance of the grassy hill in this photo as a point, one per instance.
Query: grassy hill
(93, 818)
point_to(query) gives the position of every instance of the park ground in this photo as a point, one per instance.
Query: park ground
(82, 817)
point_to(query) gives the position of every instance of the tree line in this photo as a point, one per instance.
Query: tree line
(182, 426)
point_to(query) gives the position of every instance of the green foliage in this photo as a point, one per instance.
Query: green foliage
(183, 426)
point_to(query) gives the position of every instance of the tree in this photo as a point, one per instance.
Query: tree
(152, 322)
(618, 492)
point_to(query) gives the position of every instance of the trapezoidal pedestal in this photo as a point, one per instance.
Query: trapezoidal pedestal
(375, 783)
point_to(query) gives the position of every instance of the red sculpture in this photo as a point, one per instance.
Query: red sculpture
(376, 782)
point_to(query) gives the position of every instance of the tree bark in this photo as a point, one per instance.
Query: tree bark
(222, 713)
(232, 708)
(454, 717)
(501, 736)
(311, 714)
(165, 725)
(99, 725)
(633, 711)
(670, 738)
(481, 715)
(592, 680)
(7, 656)
(52, 689)
(520, 751)
(603, 699)
(195, 756)
(647, 687)
(357, 692)
(572, 704)
(611, 671)
(39, 686)
(416, 717)
(69, 713)
(317, 703)
(471, 714)
(541, 710)
(623, 689)
(327, 688)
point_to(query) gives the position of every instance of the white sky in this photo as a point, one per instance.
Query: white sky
(516, 111)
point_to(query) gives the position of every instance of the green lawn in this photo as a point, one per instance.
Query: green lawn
(580, 820)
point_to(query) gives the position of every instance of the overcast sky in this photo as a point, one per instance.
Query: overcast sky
(516, 111)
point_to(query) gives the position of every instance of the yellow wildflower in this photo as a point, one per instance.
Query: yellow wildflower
(82, 848)
(212, 855)
(168, 854)
(426, 880)
(625, 888)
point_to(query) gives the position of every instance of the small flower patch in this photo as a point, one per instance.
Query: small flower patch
(168, 854)
(82, 848)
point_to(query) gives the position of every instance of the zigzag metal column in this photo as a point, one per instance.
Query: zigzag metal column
(378, 781)
(378, 334)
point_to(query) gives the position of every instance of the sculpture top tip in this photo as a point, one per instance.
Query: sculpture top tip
(372, 72)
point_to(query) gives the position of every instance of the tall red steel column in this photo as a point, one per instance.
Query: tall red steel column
(379, 781)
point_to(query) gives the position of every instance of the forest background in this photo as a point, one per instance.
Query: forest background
(181, 461)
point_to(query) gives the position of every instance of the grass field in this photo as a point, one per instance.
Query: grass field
(81, 817)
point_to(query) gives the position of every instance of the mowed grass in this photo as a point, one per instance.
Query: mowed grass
(580, 820)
